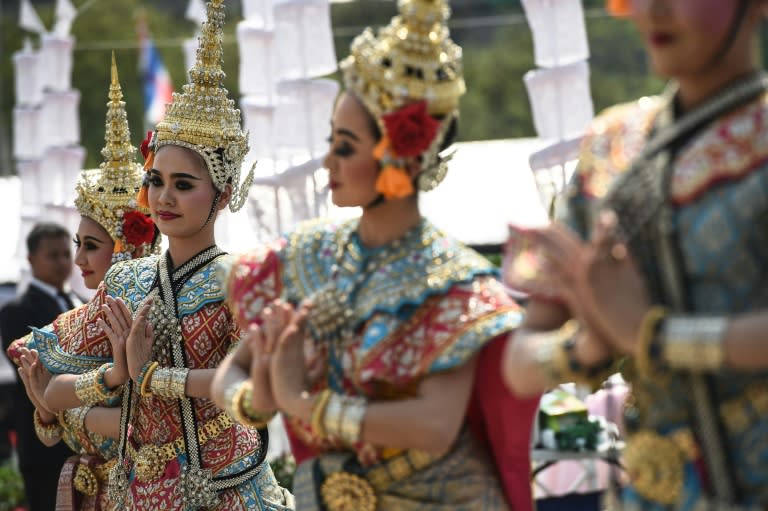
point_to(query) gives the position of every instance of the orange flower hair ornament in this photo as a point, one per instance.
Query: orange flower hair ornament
(619, 8)
(409, 132)
(142, 199)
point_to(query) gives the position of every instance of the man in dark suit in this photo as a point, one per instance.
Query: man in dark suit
(50, 257)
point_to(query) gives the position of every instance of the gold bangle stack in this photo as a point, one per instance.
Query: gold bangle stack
(91, 389)
(74, 418)
(51, 431)
(645, 359)
(239, 405)
(169, 382)
(693, 343)
(339, 416)
(352, 421)
(332, 416)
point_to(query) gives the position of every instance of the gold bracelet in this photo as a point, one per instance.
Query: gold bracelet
(146, 377)
(644, 360)
(332, 416)
(86, 388)
(169, 382)
(352, 419)
(237, 399)
(318, 412)
(693, 343)
(551, 355)
(51, 431)
(229, 398)
(100, 384)
(74, 418)
(258, 419)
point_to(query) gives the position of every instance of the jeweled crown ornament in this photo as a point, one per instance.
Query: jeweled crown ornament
(107, 195)
(411, 60)
(203, 118)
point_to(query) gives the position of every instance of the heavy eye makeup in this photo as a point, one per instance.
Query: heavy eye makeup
(181, 180)
(340, 146)
(89, 242)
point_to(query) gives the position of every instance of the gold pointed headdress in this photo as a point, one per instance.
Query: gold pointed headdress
(411, 60)
(202, 118)
(107, 195)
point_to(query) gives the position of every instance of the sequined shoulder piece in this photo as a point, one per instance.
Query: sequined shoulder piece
(729, 149)
(55, 359)
(200, 289)
(131, 280)
(425, 264)
(613, 140)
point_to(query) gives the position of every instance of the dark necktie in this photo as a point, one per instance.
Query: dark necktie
(64, 296)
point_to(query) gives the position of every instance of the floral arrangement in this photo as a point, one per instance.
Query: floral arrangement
(409, 132)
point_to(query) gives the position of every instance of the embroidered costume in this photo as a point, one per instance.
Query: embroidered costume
(176, 452)
(107, 196)
(691, 197)
(421, 306)
(383, 320)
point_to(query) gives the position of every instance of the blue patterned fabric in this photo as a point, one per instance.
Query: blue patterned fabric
(398, 277)
(721, 232)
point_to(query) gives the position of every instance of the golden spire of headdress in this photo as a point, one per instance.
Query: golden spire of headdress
(108, 193)
(117, 169)
(411, 60)
(202, 117)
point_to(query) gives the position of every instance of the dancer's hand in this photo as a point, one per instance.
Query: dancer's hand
(599, 281)
(35, 378)
(117, 327)
(286, 330)
(616, 286)
(262, 400)
(139, 342)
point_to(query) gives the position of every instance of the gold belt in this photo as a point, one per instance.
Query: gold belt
(344, 491)
(88, 478)
(149, 461)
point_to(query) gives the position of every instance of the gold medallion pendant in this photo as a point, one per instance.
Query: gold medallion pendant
(86, 481)
(149, 463)
(656, 464)
(342, 491)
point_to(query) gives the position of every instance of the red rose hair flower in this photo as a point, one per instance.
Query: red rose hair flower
(145, 145)
(138, 228)
(411, 129)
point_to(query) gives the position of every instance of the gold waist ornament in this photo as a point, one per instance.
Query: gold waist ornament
(149, 461)
(656, 463)
(88, 479)
(344, 491)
